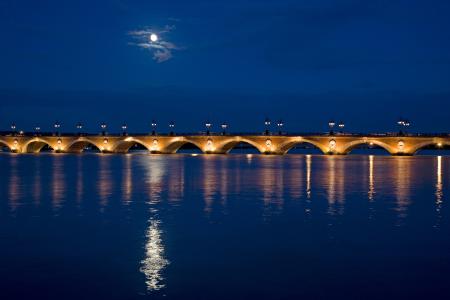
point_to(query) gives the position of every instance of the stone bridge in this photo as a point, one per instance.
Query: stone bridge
(221, 144)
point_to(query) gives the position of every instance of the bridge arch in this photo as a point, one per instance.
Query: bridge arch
(4, 144)
(347, 148)
(285, 147)
(174, 146)
(420, 146)
(80, 144)
(36, 145)
(228, 145)
(124, 146)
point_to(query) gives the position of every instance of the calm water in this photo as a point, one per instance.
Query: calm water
(224, 227)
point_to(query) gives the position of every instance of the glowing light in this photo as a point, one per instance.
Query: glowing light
(154, 262)
(15, 143)
(154, 146)
(308, 176)
(371, 181)
(332, 145)
(439, 145)
(439, 185)
(153, 37)
(194, 154)
(105, 141)
(209, 146)
(401, 145)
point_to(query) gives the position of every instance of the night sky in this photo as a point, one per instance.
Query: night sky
(364, 62)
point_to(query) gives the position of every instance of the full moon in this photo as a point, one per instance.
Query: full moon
(153, 37)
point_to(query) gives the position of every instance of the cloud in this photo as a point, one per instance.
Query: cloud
(161, 49)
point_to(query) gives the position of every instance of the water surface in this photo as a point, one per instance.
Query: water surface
(240, 226)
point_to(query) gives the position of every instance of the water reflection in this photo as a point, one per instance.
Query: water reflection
(308, 176)
(371, 192)
(328, 188)
(439, 191)
(127, 182)
(154, 262)
(402, 187)
(58, 182)
(14, 188)
(209, 183)
(272, 185)
(335, 184)
(37, 184)
(80, 184)
(105, 182)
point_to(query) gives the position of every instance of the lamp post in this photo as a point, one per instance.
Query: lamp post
(406, 126)
(403, 125)
(171, 127)
(280, 125)
(79, 128)
(13, 128)
(267, 125)
(124, 129)
(341, 126)
(208, 127)
(153, 127)
(224, 128)
(57, 126)
(331, 124)
(37, 129)
(103, 126)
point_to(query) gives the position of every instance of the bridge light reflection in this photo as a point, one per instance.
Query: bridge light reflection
(439, 183)
(308, 176)
(439, 191)
(371, 181)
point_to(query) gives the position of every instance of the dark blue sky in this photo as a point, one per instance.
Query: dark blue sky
(365, 62)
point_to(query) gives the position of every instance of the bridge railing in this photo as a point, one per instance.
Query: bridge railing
(201, 133)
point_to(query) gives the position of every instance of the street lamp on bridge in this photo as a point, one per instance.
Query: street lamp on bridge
(124, 129)
(37, 129)
(57, 126)
(341, 126)
(267, 125)
(79, 128)
(280, 125)
(171, 127)
(403, 125)
(331, 124)
(224, 128)
(103, 126)
(153, 127)
(208, 127)
(13, 128)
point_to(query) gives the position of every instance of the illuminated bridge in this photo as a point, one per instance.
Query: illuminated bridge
(338, 144)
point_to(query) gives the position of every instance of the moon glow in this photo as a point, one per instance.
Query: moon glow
(153, 37)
